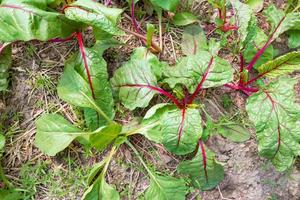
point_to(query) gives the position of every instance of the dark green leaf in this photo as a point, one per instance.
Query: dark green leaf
(184, 18)
(5, 64)
(9, 195)
(234, 132)
(204, 171)
(102, 138)
(169, 5)
(294, 41)
(193, 40)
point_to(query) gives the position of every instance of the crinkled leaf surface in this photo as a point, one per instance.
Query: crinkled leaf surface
(165, 188)
(193, 40)
(101, 139)
(204, 171)
(255, 45)
(276, 118)
(134, 81)
(54, 134)
(280, 21)
(243, 14)
(173, 126)
(101, 85)
(170, 5)
(191, 69)
(280, 66)
(95, 14)
(28, 20)
(5, 64)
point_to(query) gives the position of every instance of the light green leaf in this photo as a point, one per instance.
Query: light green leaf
(281, 66)
(243, 14)
(255, 45)
(150, 32)
(184, 18)
(100, 190)
(2, 141)
(5, 64)
(204, 171)
(102, 138)
(256, 5)
(172, 126)
(293, 39)
(98, 16)
(134, 81)
(54, 134)
(193, 40)
(276, 118)
(74, 89)
(165, 188)
(101, 85)
(170, 5)
(32, 20)
(189, 71)
(234, 132)
(280, 21)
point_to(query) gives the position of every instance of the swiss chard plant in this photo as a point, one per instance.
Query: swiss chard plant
(271, 104)
(180, 123)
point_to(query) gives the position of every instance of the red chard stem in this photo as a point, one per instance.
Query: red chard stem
(83, 55)
(203, 153)
(204, 77)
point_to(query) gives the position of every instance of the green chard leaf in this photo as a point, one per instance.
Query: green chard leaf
(74, 87)
(102, 138)
(281, 66)
(204, 171)
(32, 20)
(10, 194)
(55, 133)
(136, 81)
(193, 36)
(280, 21)
(255, 45)
(178, 130)
(246, 21)
(5, 64)
(184, 18)
(276, 118)
(190, 70)
(293, 39)
(170, 5)
(100, 190)
(103, 19)
(165, 188)
(234, 132)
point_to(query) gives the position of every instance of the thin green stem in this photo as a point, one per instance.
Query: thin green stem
(108, 159)
(141, 159)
